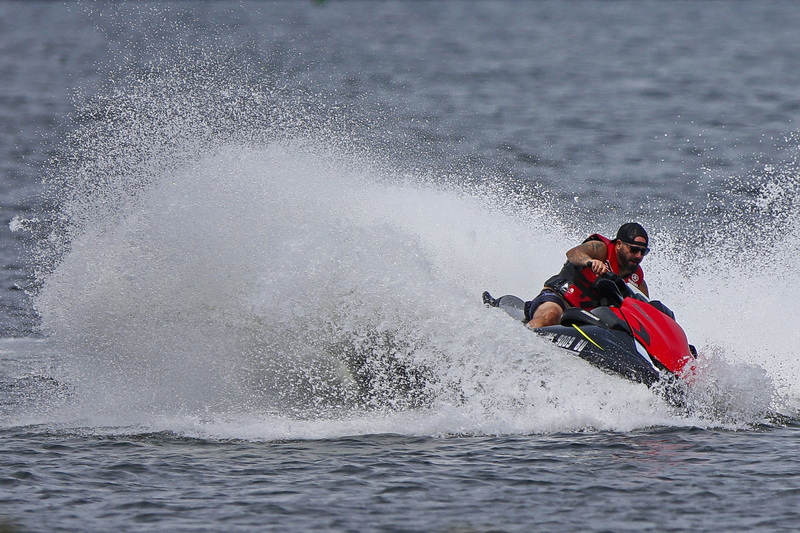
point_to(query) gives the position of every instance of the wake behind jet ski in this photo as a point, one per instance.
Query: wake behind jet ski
(631, 336)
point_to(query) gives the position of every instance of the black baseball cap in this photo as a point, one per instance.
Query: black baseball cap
(628, 233)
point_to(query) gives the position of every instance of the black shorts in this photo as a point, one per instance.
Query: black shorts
(547, 295)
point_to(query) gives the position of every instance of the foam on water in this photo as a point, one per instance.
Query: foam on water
(226, 275)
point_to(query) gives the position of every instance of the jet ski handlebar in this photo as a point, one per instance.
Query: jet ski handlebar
(612, 287)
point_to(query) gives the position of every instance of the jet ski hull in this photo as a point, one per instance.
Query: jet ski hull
(613, 351)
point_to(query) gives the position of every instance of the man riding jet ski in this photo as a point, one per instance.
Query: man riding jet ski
(597, 308)
(572, 288)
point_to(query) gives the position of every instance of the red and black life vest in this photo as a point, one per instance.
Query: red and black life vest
(581, 293)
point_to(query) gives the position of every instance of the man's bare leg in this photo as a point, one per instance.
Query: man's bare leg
(547, 314)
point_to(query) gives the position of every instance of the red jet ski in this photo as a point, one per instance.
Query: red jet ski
(632, 336)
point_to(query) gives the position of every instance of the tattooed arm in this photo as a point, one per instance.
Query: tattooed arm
(594, 251)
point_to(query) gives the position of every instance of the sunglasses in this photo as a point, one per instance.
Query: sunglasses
(644, 250)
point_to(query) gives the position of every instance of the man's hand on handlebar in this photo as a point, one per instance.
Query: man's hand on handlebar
(598, 267)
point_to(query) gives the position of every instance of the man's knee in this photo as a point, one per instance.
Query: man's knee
(547, 314)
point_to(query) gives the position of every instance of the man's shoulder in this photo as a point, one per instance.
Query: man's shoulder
(596, 249)
(597, 237)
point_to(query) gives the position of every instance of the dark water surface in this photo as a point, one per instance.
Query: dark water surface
(659, 480)
(210, 208)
